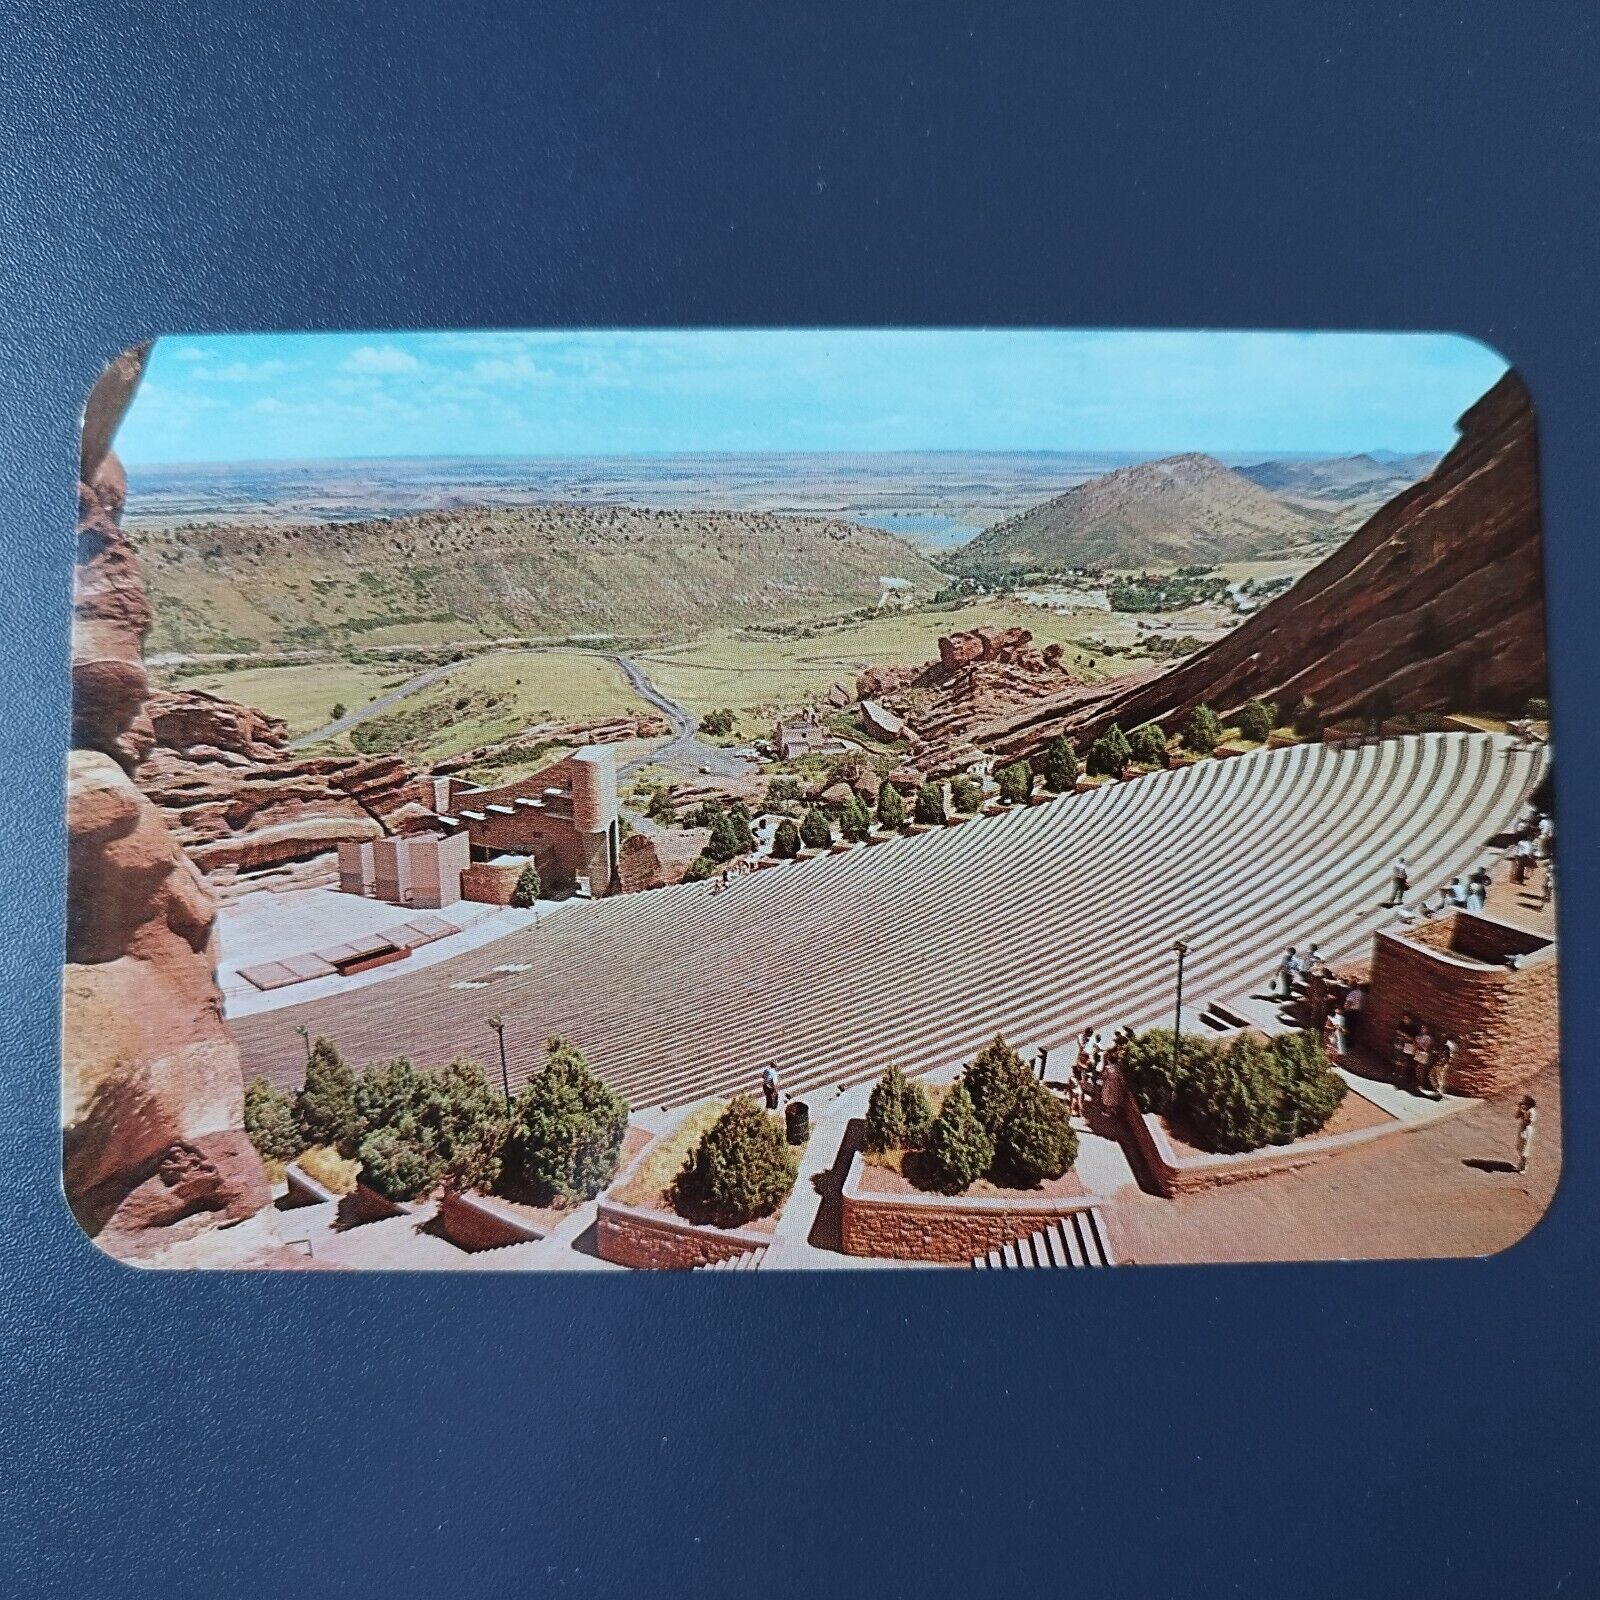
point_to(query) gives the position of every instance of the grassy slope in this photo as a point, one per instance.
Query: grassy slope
(741, 671)
(304, 696)
(541, 572)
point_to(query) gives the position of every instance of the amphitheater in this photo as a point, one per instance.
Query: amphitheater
(1034, 924)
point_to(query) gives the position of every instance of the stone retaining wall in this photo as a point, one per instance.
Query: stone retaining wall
(470, 1222)
(951, 1229)
(634, 1237)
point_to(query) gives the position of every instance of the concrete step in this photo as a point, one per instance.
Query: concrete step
(1077, 1239)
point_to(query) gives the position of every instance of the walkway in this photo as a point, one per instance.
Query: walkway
(685, 750)
(917, 950)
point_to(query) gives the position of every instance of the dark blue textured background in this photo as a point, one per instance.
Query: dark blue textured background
(1371, 1430)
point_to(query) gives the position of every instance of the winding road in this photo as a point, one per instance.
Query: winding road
(684, 751)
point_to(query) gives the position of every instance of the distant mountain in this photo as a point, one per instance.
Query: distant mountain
(546, 571)
(1178, 510)
(1341, 478)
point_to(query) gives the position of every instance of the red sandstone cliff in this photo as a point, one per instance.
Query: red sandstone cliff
(153, 1149)
(1435, 604)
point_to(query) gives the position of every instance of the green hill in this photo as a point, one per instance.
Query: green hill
(548, 571)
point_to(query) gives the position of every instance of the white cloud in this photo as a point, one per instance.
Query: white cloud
(245, 372)
(192, 352)
(515, 369)
(379, 358)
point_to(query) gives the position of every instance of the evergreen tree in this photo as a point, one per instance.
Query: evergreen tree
(959, 1150)
(471, 1126)
(966, 795)
(1202, 733)
(786, 841)
(898, 1113)
(742, 1168)
(525, 894)
(891, 809)
(855, 821)
(1147, 744)
(930, 804)
(1257, 718)
(701, 868)
(567, 1128)
(1059, 765)
(725, 842)
(1307, 720)
(397, 1164)
(1109, 754)
(996, 1078)
(325, 1108)
(1036, 1142)
(269, 1121)
(816, 832)
(1016, 782)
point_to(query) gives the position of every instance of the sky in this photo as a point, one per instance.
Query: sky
(259, 397)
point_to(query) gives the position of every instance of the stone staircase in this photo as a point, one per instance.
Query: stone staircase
(1076, 1240)
(748, 1261)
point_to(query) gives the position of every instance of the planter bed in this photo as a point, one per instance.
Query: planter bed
(1177, 1167)
(886, 1216)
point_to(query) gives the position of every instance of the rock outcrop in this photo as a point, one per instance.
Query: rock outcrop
(153, 1148)
(1436, 604)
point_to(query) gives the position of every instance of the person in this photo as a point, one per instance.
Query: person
(769, 1085)
(1546, 843)
(1044, 1058)
(1527, 1116)
(1549, 889)
(1287, 969)
(1422, 1059)
(1435, 904)
(1310, 961)
(1527, 823)
(1522, 861)
(1334, 1043)
(1354, 999)
(1477, 890)
(1400, 878)
(1458, 892)
(1444, 1060)
(1405, 1049)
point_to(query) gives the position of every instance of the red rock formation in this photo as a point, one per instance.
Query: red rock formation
(153, 1150)
(1435, 604)
(655, 860)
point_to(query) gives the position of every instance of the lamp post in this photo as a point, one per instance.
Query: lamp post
(1180, 948)
(305, 1039)
(499, 1026)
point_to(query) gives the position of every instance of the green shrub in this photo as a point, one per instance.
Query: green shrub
(816, 832)
(730, 835)
(1202, 733)
(567, 1128)
(1229, 1097)
(1146, 1063)
(1538, 709)
(1307, 719)
(786, 841)
(966, 795)
(270, 1122)
(717, 723)
(855, 821)
(959, 1149)
(1257, 719)
(996, 1078)
(1036, 1142)
(1016, 782)
(339, 709)
(325, 1108)
(1058, 766)
(1147, 744)
(701, 868)
(660, 808)
(1312, 1090)
(398, 1164)
(891, 809)
(1109, 754)
(471, 1126)
(898, 1113)
(742, 1168)
(930, 804)
(526, 893)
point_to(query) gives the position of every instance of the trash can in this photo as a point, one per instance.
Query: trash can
(797, 1121)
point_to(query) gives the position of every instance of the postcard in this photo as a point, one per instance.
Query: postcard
(770, 799)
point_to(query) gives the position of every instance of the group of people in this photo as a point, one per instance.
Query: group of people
(1422, 1059)
(1296, 968)
(1093, 1075)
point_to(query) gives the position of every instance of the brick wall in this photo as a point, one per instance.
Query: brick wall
(472, 1223)
(952, 1229)
(490, 883)
(633, 1237)
(1506, 1022)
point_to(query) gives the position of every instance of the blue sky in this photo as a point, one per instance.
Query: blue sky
(253, 397)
